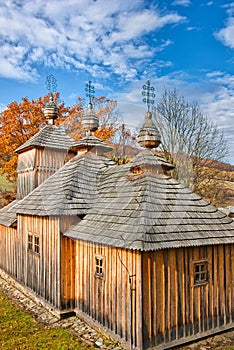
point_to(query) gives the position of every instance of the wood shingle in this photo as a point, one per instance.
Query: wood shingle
(150, 211)
(50, 136)
(70, 191)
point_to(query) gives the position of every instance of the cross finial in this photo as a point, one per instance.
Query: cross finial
(51, 83)
(90, 91)
(148, 92)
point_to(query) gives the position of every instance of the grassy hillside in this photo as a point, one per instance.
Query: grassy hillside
(19, 330)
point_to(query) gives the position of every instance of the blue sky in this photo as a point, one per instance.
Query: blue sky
(119, 45)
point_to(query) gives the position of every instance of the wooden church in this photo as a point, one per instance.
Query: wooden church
(126, 247)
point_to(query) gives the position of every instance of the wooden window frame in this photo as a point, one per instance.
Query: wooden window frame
(99, 267)
(33, 243)
(200, 273)
(30, 242)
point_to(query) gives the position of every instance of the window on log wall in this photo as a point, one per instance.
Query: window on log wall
(99, 267)
(33, 243)
(200, 270)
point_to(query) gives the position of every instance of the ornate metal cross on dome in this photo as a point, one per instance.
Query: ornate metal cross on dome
(148, 91)
(51, 83)
(90, 91)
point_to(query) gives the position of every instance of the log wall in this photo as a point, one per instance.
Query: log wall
(114, 300)
(40, 272)
(173, 306)
(8, 249)
(36, 165)
(67, 265)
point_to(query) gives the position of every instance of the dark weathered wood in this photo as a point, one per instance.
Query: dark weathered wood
(179, 303)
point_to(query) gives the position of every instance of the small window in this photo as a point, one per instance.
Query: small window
(99, 267)
(33, 243)
(36, 244)
(30, 242)
(200, 272)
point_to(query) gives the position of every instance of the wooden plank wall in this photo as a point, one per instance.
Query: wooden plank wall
(8, 249)
(48, 161)
(40, 272)
(173, 307)
(36, 165)
(114, 301)
(67, 264)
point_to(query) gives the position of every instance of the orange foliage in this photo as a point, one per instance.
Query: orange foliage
(20, 121)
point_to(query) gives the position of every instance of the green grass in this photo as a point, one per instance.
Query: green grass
(5, 185)
(19, 330)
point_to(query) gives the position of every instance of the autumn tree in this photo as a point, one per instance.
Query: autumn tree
(105, 111)
(189, 141)
(20, 121)
(125, 144)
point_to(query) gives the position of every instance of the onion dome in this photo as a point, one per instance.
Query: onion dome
(149, 135)
(51, 111)
(90, 122)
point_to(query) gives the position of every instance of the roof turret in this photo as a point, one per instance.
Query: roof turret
(90, 122)
(51, 110)
(149, 135)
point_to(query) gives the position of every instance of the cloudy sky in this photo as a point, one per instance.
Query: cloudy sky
(119, 45)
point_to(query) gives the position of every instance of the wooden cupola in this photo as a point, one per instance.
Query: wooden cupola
(43, 154)
(148, 161)
(90, 123)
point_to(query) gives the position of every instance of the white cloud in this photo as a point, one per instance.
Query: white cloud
(226, 34)
(214, 93)
(77, 35)
(181, 2)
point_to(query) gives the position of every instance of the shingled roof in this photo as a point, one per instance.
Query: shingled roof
(50, 136)
(91, 141)
(7, 215)
(70, 191)
(150, 211)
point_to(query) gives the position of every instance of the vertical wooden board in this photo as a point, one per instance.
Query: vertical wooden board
(181, 292)
(81, 271)
(131, 292)
(114, 292)
(85, 259)
(160, 281)
(197, 255)
(210, 289)
(138, 296)
(123, 294)
(64, 270)
(226, 273)
(146, 298)
(133, 299)
(102, 287)
(216, 289)
(154, 297)
(228, 280)
(119, 289)
(187, 290)
(172, 301)
(167, 314)
(149, 291)
(232, 284)
(106, 288)
(90, 278)
(221, 272)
